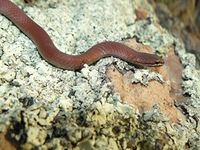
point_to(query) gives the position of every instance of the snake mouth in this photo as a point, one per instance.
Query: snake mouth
(159, 62)
(155, 64)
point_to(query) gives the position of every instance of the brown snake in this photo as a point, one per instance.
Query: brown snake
(59, 59)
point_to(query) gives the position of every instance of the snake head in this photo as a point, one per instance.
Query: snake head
(150, 60)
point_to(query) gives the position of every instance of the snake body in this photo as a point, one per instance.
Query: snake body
(59, 59)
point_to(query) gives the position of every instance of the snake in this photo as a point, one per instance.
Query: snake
(55, 57)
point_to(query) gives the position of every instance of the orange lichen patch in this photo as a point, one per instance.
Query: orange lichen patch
(174, 74)
(5, 144)
(144, 97)
(141, 13)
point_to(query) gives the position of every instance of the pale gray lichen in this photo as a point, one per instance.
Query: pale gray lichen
(53, 108)
(144, 76)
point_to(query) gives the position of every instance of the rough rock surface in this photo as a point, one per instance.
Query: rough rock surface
(45, 107)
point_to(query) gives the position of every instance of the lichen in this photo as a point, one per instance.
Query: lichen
(45, 107)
